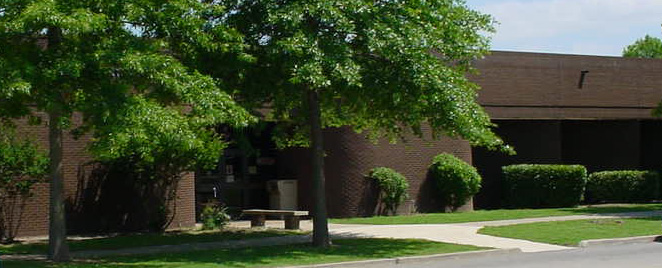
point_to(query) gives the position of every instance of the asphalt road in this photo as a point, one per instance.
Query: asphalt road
(647, 255)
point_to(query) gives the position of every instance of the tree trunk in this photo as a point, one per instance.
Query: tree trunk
(57, 233)
(58, 250)
(320, 221)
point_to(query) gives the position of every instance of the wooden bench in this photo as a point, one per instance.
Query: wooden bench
(259, 216)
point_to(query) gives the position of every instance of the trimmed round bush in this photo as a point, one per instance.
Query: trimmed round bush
(392, 186)
(456, 180)
(623, 186)
(544, 186)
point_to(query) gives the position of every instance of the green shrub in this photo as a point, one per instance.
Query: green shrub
(214, 216)
(456, 181)
(21, 166)
(544, 186)
(623, 186)
(392, 188)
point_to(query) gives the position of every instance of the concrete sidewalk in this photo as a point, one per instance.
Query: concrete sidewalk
(449, 233)
(458, 233)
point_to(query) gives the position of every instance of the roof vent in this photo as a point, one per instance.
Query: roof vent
(582, 78)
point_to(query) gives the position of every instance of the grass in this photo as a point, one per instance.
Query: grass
(570, 233)
(342, 250)
(494, 215)
(147, 239)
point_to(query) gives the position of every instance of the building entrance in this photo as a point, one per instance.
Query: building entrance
(239, 179)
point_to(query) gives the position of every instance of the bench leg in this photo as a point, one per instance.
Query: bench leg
(292, 222)
(258, 221)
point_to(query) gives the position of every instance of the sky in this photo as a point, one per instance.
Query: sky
(586, 27)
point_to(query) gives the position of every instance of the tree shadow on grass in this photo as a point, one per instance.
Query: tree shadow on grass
(19, 248)
(122, 241)
(342, 250)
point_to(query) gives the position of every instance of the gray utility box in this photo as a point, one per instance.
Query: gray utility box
(283, 194)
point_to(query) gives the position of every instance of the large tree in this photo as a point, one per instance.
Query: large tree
(123, 65)
(382, 66)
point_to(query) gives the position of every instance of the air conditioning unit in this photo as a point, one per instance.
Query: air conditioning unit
(283, 194)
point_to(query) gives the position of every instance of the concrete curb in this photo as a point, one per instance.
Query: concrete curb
(350, 264)
(459, 255)
(620, 241)
(413, 259)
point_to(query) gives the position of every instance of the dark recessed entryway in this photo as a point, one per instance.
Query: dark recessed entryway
(596, 144)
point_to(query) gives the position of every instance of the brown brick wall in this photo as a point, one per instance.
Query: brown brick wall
(546, 86)
(35, 215)
(76, 168)
(349, 158)
(184, 207)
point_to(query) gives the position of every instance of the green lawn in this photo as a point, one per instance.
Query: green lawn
(343, 250)
(570, 233)
(493, 215)
(148, 239)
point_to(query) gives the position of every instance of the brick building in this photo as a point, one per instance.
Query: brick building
(542, 110)
(588, 110)
(554, 109)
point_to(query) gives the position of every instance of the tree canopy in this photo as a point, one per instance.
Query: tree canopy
(647, 47)
(124, 65)
(383, 66)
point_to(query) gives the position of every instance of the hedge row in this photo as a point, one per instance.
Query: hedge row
(623, 186)
(543, 186)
